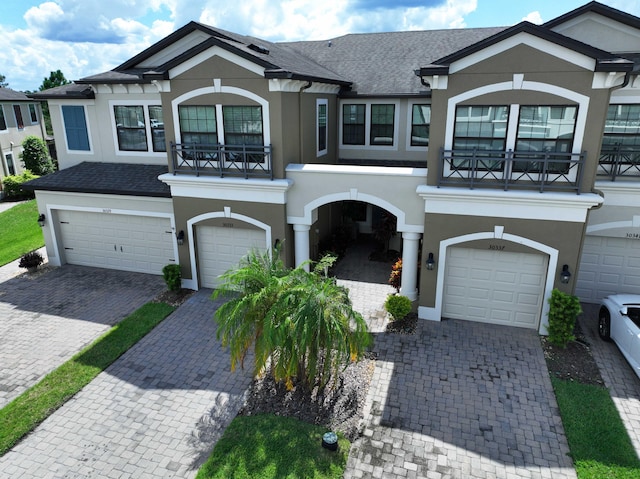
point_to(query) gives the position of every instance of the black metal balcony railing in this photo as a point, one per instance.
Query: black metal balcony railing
(248, 161)
(511, 170)
(616, 162)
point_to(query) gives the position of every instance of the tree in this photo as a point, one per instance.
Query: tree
(55, 79)
(300, 323)
(35, 156)
(3, 82)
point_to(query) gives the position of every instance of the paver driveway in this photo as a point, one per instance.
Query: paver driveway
(46, 318)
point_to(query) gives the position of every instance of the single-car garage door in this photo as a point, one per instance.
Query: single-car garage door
(126, 242)
(608, 266)
(497, 287)
(221, 248)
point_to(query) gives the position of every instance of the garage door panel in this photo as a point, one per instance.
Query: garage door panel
(494, 286)
(608, 266)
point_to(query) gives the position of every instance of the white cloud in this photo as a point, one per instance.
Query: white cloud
(533, 17)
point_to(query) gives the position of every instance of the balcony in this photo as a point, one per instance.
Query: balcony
(616, 162)
(248, 161)
(530, 170)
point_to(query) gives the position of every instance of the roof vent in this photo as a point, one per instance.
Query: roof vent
(259, 48)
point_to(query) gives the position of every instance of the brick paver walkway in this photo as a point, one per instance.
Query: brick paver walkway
(155, 413)
(47, 317)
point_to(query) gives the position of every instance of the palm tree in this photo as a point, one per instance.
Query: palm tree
(303, 322)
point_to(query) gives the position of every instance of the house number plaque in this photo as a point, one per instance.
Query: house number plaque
(496, 247)
(227, 225)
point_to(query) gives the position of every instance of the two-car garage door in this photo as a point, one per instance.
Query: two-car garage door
(492, 286)
(125, 242)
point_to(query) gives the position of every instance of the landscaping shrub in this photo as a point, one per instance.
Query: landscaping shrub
(397, 306)
(396, 275)
(562, 317)
(31, 260)
(35, 156)
(12, 185)
(172, 277)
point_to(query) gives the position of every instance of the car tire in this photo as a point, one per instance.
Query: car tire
(604, 324)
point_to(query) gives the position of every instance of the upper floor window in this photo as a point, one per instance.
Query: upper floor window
(242, 125)
(622, 128)
(156, 121)
(18, 114)
(321, 133)
(3, 122)
(420, 121)
(75, 127)
(353, 124)
(382, 119)
(481, 128)
(131, 128)
(198, 124)
(33, 112)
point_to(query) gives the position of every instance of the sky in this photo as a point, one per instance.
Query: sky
(86, 37)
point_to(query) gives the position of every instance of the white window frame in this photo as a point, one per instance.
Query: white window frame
(37, 114)
(320, 102)
(367, 124)
(410, 105)
(6, 126)
(145, 104)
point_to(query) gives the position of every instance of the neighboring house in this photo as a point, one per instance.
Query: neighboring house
(509, 157)
(20, 117)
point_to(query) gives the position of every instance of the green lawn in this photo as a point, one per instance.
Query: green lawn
(274, 447)
(24, 413)
(598, 441)
(20, 231)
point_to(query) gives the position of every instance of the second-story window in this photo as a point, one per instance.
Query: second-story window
(321, 134)
(353, 124)
(3, 122)
(198, 124)
(156, 121)
(480, 131)
(18, 113)
(622, 128)
(420, 122)
(242, 125)
(131, 128)
(381, 132)
(33, 113)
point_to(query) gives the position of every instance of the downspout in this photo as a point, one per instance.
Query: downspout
(302, 89)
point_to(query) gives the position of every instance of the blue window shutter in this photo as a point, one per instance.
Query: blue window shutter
(75, 126)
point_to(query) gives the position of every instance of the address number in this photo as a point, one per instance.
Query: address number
(496, 247)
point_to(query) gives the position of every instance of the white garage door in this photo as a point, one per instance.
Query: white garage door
(220, 249)
(494, 286)
(608, 266)
(125, 242)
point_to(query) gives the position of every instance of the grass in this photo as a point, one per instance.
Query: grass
(24, 413)
(599, 443)
(20, 231)
(274, 447)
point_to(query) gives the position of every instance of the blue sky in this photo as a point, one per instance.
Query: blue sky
(84, 37)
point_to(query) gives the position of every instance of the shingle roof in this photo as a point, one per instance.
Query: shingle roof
(105, 178)
(7, 94)
(70, 90)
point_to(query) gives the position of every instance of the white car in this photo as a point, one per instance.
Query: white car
(619, 320)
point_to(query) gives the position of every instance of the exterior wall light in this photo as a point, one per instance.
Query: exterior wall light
(41, 219)
(431, 263)
(180, 238)
(276, 243)
(565, 275)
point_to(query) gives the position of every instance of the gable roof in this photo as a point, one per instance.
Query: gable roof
(70, 91)
(599, 8)
(605, 61)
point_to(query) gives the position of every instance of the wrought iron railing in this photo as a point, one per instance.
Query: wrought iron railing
(248, 161)
(540, 171)
(618, 162)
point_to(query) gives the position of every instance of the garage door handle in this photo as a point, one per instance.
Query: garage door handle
(115, 248)
(69, 248)
(121, 249)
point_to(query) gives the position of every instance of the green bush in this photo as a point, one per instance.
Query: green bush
(397, 306)
(12, 185)
(172, 276)
(31, 260)
(35, 155)
(563, 311)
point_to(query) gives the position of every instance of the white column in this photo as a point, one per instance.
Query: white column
(410, 246)
(301, 244)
